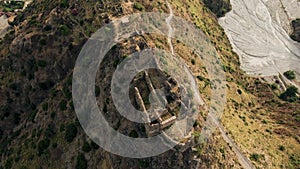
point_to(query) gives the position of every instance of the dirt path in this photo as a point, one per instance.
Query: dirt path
(168, 21)
(242, 159)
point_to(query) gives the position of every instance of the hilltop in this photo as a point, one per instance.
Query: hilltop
(39, 128)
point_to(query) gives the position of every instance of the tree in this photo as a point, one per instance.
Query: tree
(138, 6)
(255, 157)
(43, 145)
(81, 162)
(63, 105)
(86, 147)
(290, 94)
(71, 132)
(94, 145)
(1, 133)
(290, 75)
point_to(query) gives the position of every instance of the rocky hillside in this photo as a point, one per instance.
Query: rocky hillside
(38, 125)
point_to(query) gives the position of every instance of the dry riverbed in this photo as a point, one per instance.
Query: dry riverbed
(258, 31)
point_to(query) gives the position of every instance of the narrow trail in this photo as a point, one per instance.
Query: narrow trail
(170, 33)
(244, 161)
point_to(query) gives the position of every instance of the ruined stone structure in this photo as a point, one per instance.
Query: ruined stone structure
(159, 119)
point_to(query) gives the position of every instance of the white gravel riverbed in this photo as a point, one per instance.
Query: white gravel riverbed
(258, 31)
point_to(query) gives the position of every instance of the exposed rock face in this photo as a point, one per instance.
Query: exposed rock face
(296, 27)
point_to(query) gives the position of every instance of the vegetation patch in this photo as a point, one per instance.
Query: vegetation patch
(296, 30)
(290, 94)
(64, 30)
(219, 7)
(81, 162)
(43, 145)
(12, 6)
(71, 132)
(139, 6)
(256, 157)
(290, 74)
(86, 147)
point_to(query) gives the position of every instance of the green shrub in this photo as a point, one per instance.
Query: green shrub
(255, 157)
(138, 6)
(274, 86)
(50, 131)
(295, 160)
(10, 7)
(43, 145)
(290, 75)
(97, 91)
(54, 145)
(1, 133)
(144, 164)
(94, 145)
(290, 94)
(23, 167)
(86, 147)
(43, 42)
(16, 118)
(193, 61)
(64, 30)
(53, 115)
(239, 91)
(39, 133)
(222, 151)
(265, 121)
(32, 116)
(297, 118)
(67, 92)
(63, 105)
(45, 107)
(104, 108)
(64, 4)
(71, 105)
(8, 164)
(41, 63)
(62, 128)
(81, 162)
(47, 28)
(71, 132)
(219, 7)
(46, 85)
(133, 134)
(281, 148)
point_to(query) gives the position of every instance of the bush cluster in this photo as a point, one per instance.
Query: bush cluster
(290, 75)
(71, 132)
